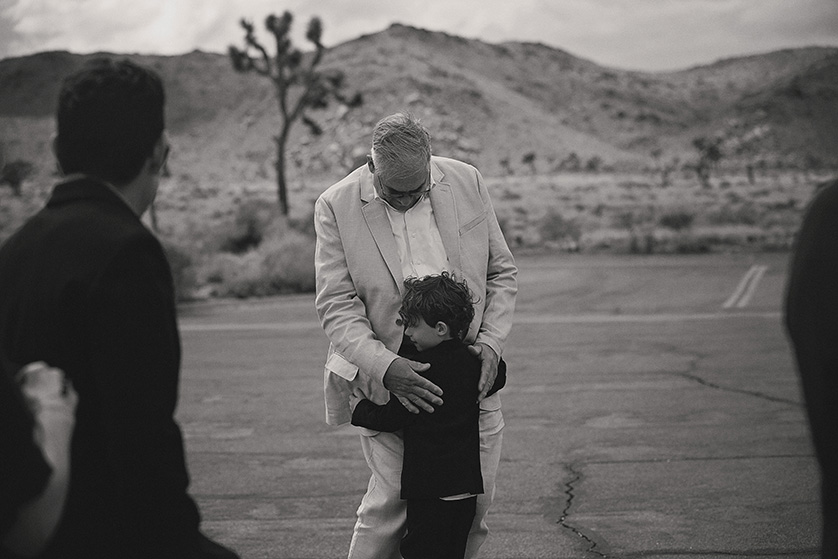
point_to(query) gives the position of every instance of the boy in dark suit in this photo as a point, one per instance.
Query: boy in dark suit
(441, 475)
(86, 288)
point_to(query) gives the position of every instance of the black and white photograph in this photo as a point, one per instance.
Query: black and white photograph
(544, 279)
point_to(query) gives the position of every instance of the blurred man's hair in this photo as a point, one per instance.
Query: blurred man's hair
(110, 114)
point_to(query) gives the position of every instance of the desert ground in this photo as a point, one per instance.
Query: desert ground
(652, 410)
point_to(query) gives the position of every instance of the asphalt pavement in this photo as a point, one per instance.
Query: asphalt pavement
(652, 410)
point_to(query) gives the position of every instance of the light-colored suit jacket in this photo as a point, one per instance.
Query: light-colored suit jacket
(360, 281)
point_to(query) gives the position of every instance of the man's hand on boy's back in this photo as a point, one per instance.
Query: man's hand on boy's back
(414, 391)
(488, 367)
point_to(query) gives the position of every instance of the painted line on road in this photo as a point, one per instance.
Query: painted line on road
(622, 318)
(270, 326)
(519, 319)
(746, 288)
(752, 287)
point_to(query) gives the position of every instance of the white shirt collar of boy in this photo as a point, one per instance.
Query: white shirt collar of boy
(418, 241)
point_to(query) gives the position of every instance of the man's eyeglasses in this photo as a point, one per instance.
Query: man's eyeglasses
(388, 192)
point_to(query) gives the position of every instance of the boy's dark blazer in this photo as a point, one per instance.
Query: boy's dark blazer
(87, 288)
(441, 449)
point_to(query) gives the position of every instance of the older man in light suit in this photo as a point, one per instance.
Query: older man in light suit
(403, 214)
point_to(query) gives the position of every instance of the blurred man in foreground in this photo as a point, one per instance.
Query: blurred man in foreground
(85, 287)
(812, 322)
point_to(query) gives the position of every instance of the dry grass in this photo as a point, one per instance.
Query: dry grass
(228, 241)
(633, 213)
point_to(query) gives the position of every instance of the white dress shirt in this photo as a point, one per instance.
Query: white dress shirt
(418, 241)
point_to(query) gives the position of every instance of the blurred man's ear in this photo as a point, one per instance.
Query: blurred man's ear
(160, 154)
(54, 145)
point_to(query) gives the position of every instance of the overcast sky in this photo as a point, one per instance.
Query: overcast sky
(630, 34)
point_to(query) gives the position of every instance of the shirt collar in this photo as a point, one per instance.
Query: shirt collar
(73, 177)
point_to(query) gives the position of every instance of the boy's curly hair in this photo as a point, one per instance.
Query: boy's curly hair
(438, 298)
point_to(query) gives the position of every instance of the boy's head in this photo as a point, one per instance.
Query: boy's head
(436, 308)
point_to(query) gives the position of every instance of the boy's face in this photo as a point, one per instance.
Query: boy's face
(424, 336)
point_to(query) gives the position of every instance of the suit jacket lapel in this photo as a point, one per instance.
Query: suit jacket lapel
(445, 214)
(375, 214)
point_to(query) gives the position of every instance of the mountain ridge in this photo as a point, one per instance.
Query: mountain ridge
(511, 107)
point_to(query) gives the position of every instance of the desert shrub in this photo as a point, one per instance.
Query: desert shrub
(676, 220)
(303, 225)
(633, 219)
(630, 184)
(730, 235)
(288, 262)
(282, 263)
(624, 220)
(252, 220)
(785, 219)
(641, 242)
(183, 273)
(555, 227)
(638, 223)
(789, 204)
(236, 275)
(690, 241)
(15, 172)
(740, 214)
(691, 245)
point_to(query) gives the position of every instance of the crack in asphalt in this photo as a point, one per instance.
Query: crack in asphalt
(592, 546)
(700, 459)
(576, 476)
(569, 487)
(691, 375)
(715, 552)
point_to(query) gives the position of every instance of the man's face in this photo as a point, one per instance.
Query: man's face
(403, 193)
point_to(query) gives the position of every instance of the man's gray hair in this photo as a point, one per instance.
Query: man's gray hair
(400, 146)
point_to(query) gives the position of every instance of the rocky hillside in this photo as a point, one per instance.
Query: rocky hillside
(510, 107)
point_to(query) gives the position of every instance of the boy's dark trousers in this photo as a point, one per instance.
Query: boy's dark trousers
(437, 529)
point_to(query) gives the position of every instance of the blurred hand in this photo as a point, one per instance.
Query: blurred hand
(52, 401)
(49, 395)
(414, 391)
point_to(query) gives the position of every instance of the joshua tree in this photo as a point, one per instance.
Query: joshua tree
(709, 154)
(14, 173)
(299, 85)
(529, 159)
